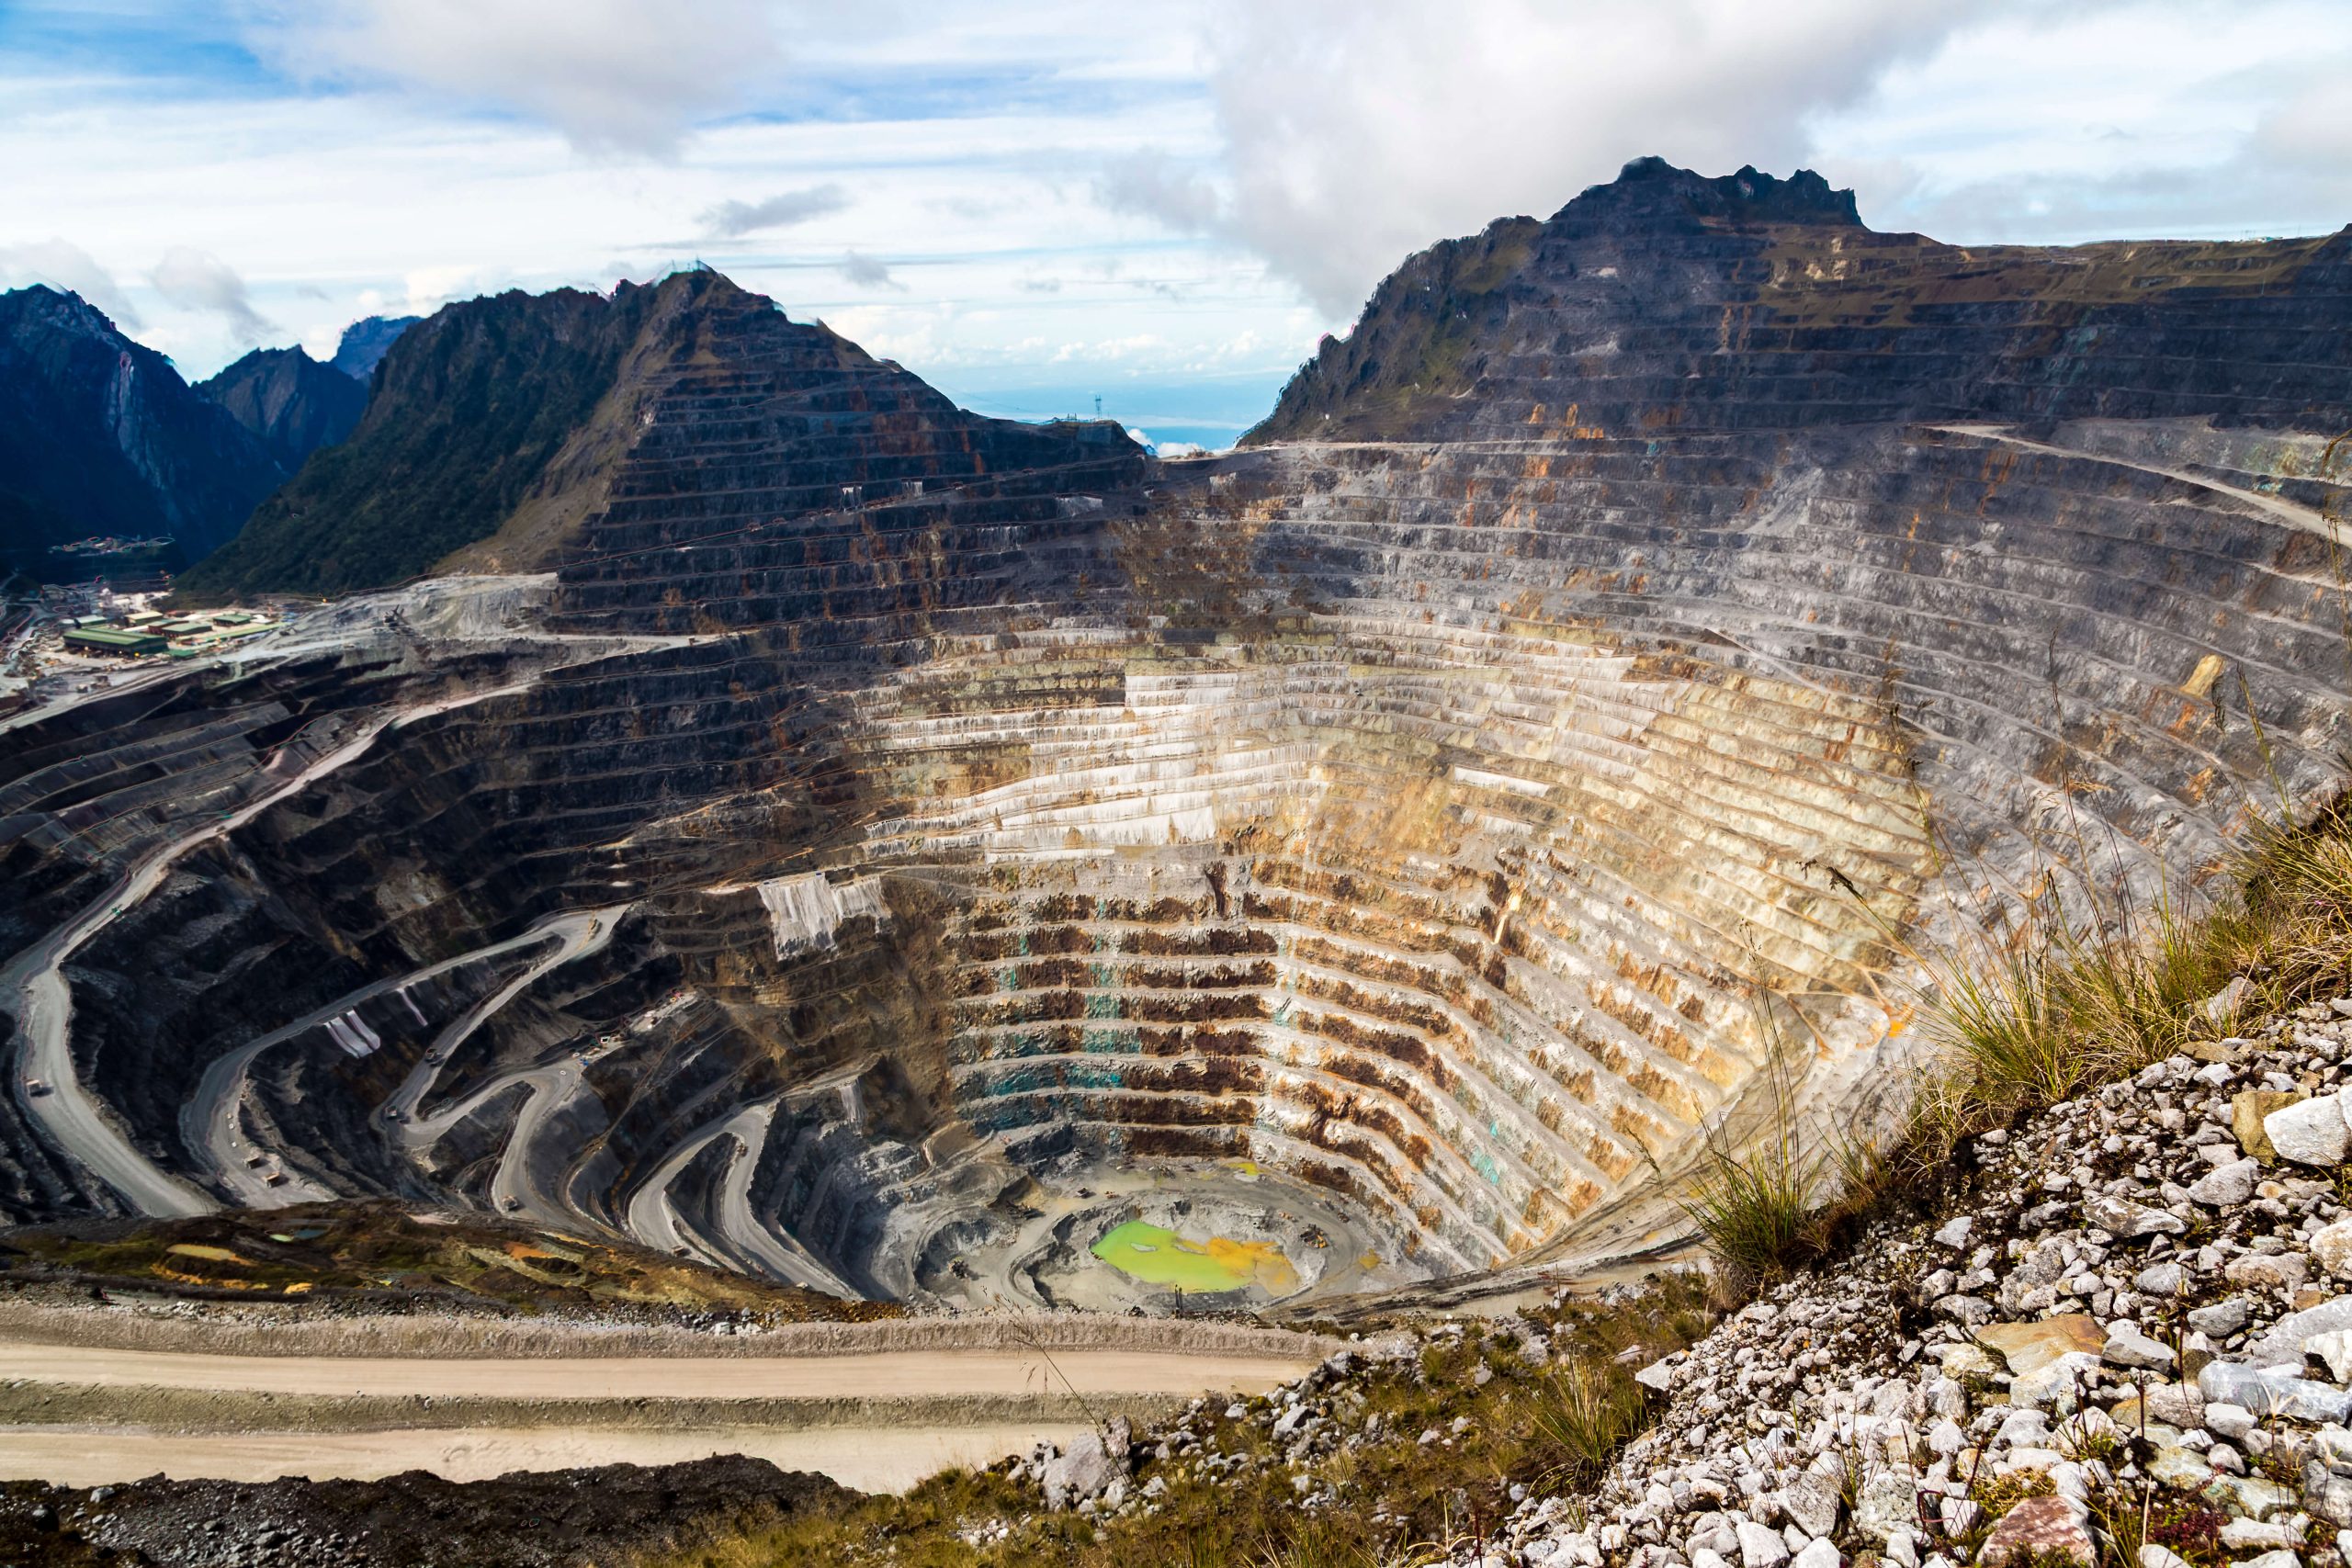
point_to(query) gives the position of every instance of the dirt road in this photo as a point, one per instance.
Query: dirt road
(867, 1451)
(870, 1375)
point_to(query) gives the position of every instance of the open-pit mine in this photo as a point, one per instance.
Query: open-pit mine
(926, 858)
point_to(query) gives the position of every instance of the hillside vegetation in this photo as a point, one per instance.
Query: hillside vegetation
(468, 410)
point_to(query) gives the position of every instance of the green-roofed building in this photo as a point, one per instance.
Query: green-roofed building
(107, 640)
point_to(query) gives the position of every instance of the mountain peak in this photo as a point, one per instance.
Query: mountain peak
(293, 403)
(1653, 187)
(365, 342)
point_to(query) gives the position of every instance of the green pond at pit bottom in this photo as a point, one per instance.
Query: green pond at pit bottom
(1160, 1257)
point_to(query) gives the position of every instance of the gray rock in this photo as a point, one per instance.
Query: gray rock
(2226, 1420)
(1968, 1310)
(2224, 1004)
(2273, 1391)
(2311, 1132)
(1080, 1475)
(2331, 1246)
(1760, 1547)
(2268, 1271)
(2260, 1535)
(2284, 1340)
(2227, 1186)
(2222, 1319)
(2159, 1278)
(1817, 1553)
(1887, 1506)
(2126, 1219)
(2272, 1559)
(2335, 1347)
(1811, 1503)
(1955, 1232)
(2127, 1347)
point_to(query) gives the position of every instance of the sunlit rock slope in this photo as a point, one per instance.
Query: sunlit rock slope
(895, 845)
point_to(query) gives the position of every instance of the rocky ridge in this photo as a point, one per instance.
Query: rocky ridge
(365, 342)
(295, 404)
(100, 435)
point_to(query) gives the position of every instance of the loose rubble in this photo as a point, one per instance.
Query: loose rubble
(2141, 1314)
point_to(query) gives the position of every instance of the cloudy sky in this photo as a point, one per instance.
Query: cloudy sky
(1035, 203)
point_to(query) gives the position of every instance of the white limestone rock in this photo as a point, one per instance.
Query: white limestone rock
(2310, 1132)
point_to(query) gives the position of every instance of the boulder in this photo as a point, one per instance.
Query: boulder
(2226, 1186)
(2247, 1108)
(2038, 1530)
(2310, 1132)
(2128, 1220)
(2028, 1348)
(1089, 1467)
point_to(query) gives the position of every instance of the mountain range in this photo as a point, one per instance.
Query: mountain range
(100, 436)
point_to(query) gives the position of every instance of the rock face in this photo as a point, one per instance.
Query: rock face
(101, 436)
(1668, 304)
(1426, 830)
(366, 341)
(498, 426)
(292, 402)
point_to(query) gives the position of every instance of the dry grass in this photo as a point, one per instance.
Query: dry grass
(2069, 1007)
(1406, 1503)
(2025, 1025)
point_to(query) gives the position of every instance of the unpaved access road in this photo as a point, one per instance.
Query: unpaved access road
(869, 1458)
(873, 1457)
(865, 1375)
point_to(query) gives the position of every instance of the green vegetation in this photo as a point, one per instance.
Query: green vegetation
(469, 408)
(1403, 1501)
(1755, 1207)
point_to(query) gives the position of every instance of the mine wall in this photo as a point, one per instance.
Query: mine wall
(1444, 825)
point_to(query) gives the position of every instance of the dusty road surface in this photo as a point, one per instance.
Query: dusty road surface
(870, 1458)
(782, 1407)
(867, 1375)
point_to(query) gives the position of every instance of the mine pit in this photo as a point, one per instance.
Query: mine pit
(919, 857)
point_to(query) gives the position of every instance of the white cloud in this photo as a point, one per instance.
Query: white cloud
(615, 76)
(199, 280)
(1358, 132)
(63, 265)
(731, 220)
(866, 272)
(2200, 121)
